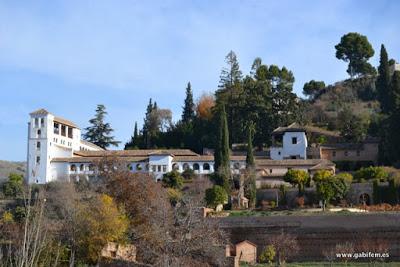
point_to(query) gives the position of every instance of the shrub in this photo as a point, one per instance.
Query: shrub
(297, 177)
(188, 174)
(268, 254)
(19, 213)
(174, 195)
(7, 217)
(370, 173)
(215, 196)
(13, 187)
(345, 176)
(172, 179)
(272, 204)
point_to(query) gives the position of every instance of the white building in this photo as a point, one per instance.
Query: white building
(289, 143)
(56, 152)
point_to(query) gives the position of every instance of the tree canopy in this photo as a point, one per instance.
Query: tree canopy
(355, 49)
(99, 132)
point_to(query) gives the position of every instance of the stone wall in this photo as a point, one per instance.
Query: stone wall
(318, 234)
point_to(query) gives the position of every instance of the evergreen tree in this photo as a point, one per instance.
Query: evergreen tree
(383, 81)
(394, 121)
(134, 142)
(188, 109)
(222, 147)
(355, 49)
(228, 93)
(250, 156)
(99, 131)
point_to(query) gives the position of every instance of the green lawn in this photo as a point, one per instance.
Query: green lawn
(328, 264)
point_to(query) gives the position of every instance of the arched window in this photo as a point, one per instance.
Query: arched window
(236, 166)
(196, 167)
(206, 166)
(129, 166)
(175, 167)
(186, 166)
(82, 167)
(138, 167)
(73, 168)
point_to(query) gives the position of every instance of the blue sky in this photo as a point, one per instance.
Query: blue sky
(68, 56)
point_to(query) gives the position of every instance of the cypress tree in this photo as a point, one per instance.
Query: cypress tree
(383, 81)
(99, 131)
(133, 143)
(188, 108)
(394, 120)
(223, 142)
(250, 156)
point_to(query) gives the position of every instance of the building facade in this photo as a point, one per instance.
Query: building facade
(57, 152)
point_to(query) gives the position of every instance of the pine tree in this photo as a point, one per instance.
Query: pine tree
(222, 148)
(250, 156)
(188, 109)
(383, 81)
(99, 131)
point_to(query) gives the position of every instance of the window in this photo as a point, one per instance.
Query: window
(138, 167)
(294, 140)
(270, 170)
(63, 130)
(38, 160)
(82, 167)
(69, 132)
(72, 168)
(38, 146)
(358, 153)
(186, 166)
(159, 168)
(42, 122)
(346, 153)
(154, 168)
(164, 168)
(56, 128)
(206, 166)
(333, 153)
(196, 167)
(293, 157)
(39, 132)
(36, 122)
(279, 152)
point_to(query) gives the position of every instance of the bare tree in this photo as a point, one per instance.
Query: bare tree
(285, 246)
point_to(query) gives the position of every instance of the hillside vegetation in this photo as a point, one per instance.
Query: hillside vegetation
(7, 167)
(357, 96)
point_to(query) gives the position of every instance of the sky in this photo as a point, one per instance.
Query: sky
(69, 56)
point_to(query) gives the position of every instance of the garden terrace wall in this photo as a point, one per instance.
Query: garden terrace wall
(317, 234)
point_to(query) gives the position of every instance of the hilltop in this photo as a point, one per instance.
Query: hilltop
(357, 95)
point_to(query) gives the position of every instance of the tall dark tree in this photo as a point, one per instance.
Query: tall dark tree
(355, 49)
(394, 122)
(383, 81)
(221, 155)
(134, 142)
(188, 109)
(229, 91)
(99, 131)
(250, 155)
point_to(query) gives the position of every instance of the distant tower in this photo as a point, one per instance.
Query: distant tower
(49, 137)
(289, 143)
